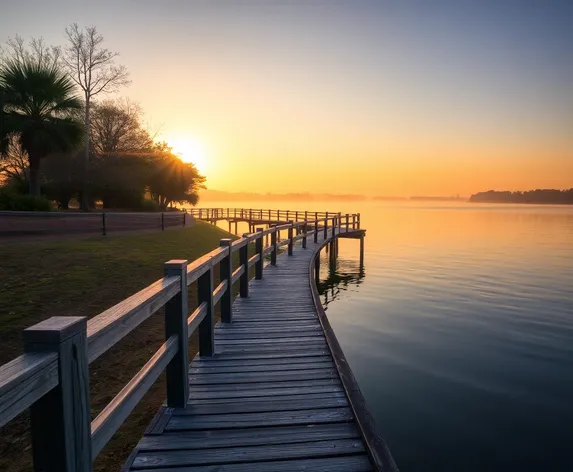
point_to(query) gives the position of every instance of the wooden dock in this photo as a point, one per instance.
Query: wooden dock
(270, 389)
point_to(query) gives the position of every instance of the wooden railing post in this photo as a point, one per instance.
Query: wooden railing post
(304, 231)
(287, 214)
(162, 221)
(176, 311)
(244, 279)
(274, 245)
(103, 228)
(184, 213)
(316, 230)
(358, 222)
(206, 332)
(290, 236)
(326, 228)
(347, 221)
(259, 248)
(61, 426)
(226, 268)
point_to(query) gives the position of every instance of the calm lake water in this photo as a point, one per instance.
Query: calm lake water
(459, 330)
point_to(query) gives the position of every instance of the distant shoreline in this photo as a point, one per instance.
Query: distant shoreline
(531, 197)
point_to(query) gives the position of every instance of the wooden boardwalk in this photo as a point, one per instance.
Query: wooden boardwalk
(270, 399)
(271, 390)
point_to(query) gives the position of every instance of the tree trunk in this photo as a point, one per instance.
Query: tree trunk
(84, 203)
(34, 162)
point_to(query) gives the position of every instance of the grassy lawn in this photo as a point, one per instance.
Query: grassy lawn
(82, 278)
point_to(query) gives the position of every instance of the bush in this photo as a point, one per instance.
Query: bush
(148, 205)
(10, 201)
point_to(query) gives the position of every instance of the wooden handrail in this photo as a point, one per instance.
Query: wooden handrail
(25, 381)
(109, 327)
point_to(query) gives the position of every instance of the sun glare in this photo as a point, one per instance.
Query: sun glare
(190, 150)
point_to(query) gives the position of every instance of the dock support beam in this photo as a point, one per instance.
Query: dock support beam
(362, 251)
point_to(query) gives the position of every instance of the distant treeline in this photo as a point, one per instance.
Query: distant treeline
(539, 196)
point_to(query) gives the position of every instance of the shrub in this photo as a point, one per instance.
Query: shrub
(10, 201)
(148, 205)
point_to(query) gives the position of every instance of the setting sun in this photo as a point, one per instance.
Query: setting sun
(192, 150)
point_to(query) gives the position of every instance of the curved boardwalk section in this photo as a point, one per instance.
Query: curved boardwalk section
(270, 399)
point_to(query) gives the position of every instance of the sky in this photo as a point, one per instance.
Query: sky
(386, 97)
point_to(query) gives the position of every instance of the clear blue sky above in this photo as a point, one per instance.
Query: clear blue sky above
(473, 88)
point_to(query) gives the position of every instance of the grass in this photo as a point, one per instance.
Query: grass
(82, 278)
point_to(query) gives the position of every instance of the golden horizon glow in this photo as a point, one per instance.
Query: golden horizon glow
(190, 149)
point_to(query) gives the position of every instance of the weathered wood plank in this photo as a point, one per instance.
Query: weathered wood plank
(262, 405)
(242, 367)
(354, 463)
(272, 354)
(257, 377)
(180, 458)
(248, 437)
(198, 393)
(263, 398)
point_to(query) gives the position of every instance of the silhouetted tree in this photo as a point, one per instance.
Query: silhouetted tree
(39, 102)
(116, 127)
(93, 69)
(539, 196)
(172, 180)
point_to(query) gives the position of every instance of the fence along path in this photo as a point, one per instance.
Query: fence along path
(271, 391)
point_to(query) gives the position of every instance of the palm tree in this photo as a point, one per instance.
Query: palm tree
(39, 106)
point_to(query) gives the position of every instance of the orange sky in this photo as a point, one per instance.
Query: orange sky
(369, 97)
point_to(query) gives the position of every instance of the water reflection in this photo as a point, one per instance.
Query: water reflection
(335, 279)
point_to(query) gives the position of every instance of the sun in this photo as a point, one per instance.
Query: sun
(190, 149)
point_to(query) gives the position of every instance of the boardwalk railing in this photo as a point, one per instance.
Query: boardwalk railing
(250, 214)
(51, 377)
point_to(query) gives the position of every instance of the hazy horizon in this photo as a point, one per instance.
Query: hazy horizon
(357, 97)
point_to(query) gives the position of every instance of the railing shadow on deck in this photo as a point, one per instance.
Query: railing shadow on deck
(51, 377)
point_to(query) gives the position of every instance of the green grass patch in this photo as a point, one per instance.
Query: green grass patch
(83, 277)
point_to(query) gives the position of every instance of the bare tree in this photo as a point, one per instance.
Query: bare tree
(94, 69)
(116, 127)
(37, 52)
